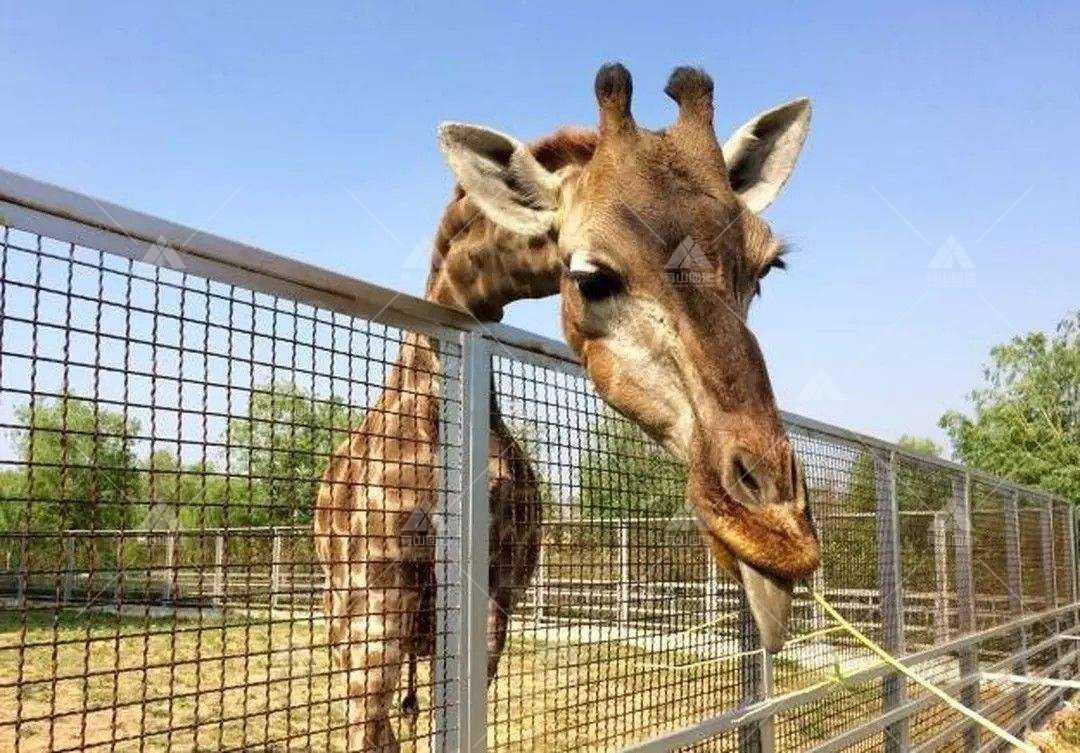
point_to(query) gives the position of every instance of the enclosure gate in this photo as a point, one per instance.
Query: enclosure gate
(171, 401)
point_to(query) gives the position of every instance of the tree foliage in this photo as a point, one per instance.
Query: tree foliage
(623, 474)
(918, 486)
(1026, 417)
(280, 450)
(80, 467)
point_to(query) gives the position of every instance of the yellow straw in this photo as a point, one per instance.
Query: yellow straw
(886, 657)
(808, 636)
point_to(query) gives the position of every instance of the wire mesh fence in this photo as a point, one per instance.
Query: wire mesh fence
(243, 510)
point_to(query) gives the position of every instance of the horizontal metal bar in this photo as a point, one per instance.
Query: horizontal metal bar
(1037, 709)
(934, 743)
(1029, 680)
(91, 213)
(697, 732)
(880, 722)
(798, 698)
(839, 432)
(856, 734)
(723, 722)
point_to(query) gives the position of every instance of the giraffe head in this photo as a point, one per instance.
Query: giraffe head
(663, 251)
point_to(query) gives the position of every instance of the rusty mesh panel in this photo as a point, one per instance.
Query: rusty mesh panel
(844, 494)
(165, 440)
(624, 628)
(936, 722)
(1033, 566)
(1001, 702)
(989, 554)
(925, 497)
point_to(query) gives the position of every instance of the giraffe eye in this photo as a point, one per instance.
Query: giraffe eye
(599, 285)
(595, 281)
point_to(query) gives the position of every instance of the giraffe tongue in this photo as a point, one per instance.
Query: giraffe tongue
(770, 603)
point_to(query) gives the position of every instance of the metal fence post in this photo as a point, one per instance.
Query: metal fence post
(817, 581)
(275, 566)
(118, 575)
(22, 572)
(170, 566)
(939, 530)
(219, 569)
(445, 664)
(69, 569)
(1015, 586)
(538, 588)
(712, 589)
(965, 597)
(1046, 520)
(476, 521)
(897, 737)
(1074, 578)
(755, 674)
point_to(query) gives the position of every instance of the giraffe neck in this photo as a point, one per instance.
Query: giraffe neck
(479, 267)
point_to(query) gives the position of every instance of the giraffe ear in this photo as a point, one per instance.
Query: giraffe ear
(502, 176)
(761, 155)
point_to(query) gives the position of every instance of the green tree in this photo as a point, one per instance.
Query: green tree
(922, 445)
(80, 466)
(623, 474)
(919, 486)
(190, 496)
(277, 454)
(1026, 422)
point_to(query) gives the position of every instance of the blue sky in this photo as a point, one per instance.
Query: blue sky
(311, 133)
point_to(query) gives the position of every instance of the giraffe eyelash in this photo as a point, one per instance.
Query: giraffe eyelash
(776, 262)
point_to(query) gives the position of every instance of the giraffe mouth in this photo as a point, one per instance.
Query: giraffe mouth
(770, 604)
(769, 596)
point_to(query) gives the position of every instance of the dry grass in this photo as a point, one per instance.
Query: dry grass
(103, 682)
(1061, 733)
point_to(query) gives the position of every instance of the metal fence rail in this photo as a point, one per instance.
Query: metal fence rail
(171, 401)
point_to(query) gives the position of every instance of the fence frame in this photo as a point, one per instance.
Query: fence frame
(965, 588)
(890, 583)
(68, 216)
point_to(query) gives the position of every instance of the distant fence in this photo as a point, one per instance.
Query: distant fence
(189, 569)
(144, 360)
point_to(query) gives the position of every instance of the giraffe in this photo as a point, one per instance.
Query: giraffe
(597, 217)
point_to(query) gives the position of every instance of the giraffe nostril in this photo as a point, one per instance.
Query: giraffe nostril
(746, 477)
(743, 478)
